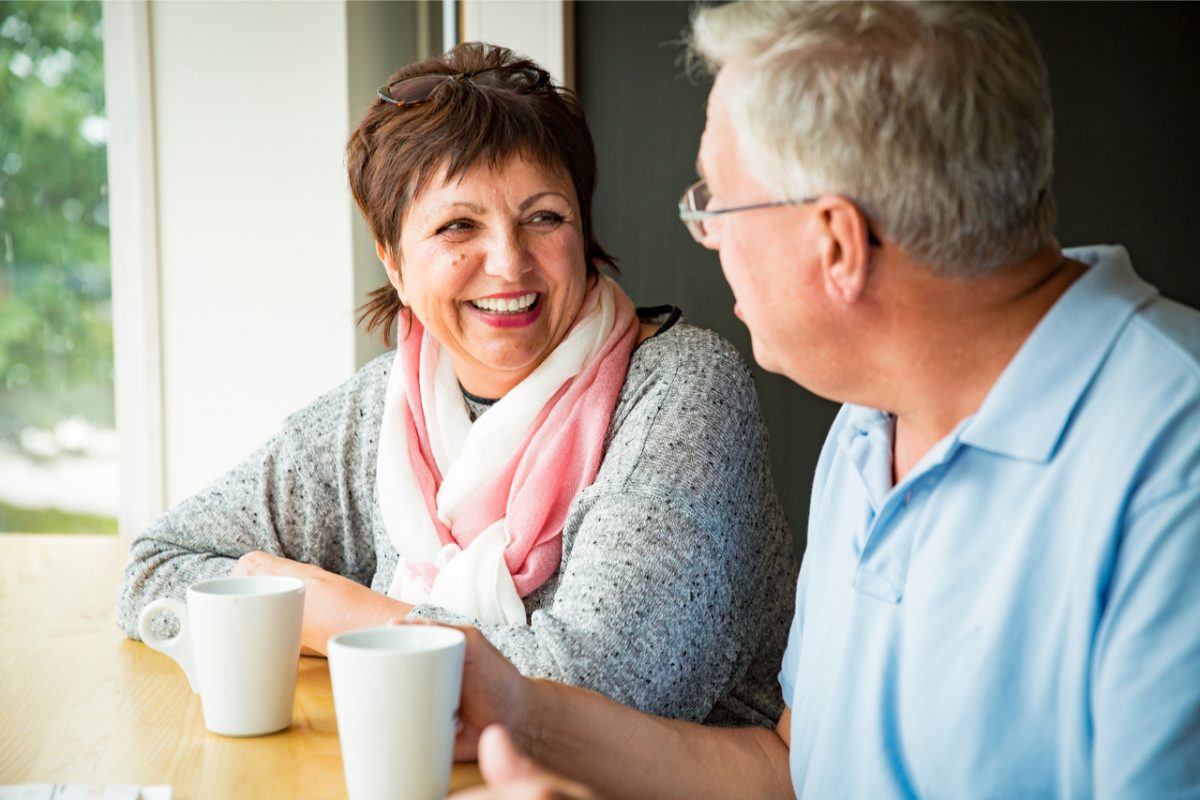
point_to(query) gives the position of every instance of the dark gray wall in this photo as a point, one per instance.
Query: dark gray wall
(1126, 84)
(1124, 79)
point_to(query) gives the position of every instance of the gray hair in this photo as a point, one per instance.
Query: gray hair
(935, 118)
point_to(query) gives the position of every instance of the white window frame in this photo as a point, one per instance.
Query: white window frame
(133, 236)
(541, 29)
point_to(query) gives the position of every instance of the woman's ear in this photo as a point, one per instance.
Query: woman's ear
(391, 267)
(844, 248)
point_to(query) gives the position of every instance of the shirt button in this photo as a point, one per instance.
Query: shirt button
(908, 497)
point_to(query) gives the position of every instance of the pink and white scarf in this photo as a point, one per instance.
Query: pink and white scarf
(476, 510)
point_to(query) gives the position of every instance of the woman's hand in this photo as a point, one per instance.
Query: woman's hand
(332, 603)
(513, 776)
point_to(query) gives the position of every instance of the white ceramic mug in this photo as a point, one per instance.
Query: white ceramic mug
(396, 691)
(239, 644)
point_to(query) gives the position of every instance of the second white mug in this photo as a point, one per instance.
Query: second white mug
(396, 692)
(239, 645)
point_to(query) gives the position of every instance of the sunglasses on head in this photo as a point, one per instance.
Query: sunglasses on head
(410, 92)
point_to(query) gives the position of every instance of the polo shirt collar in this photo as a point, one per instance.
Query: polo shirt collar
(866, 439)
(1059, 359)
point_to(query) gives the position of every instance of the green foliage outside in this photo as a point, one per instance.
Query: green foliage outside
(14, 518)
(55, 288)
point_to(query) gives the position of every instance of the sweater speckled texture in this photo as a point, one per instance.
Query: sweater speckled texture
(675, 591)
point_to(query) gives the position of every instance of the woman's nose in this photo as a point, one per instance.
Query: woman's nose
(507, 257)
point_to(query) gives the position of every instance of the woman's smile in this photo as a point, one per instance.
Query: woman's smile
(508, 309)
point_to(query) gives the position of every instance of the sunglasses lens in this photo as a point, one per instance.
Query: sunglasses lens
(416, 90)
(518, 79)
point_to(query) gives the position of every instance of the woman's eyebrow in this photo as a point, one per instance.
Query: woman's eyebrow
(477, 209)
(533, 198)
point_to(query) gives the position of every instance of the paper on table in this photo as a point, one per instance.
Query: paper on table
(80, 791)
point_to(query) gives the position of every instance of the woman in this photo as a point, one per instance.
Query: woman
(585, 482)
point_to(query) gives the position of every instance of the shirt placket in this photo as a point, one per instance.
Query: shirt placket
(895, 511)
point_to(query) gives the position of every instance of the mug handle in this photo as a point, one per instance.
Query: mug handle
(178, 647)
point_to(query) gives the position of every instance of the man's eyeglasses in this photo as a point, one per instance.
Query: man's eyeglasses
(414, 91)
(694, 210)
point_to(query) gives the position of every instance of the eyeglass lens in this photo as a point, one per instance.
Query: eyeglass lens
(698, 198)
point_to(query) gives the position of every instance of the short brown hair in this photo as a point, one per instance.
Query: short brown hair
(394, 152)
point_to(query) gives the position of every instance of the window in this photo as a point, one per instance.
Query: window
(58, 445)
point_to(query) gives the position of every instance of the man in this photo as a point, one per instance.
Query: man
(1000, 593)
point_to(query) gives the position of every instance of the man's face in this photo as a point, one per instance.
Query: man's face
(763, 251)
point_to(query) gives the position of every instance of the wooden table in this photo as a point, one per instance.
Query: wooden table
(80, 703)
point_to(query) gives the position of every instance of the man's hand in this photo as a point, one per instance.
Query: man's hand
(332, 603)
(493, 691)
(512, 776)
(596, 742)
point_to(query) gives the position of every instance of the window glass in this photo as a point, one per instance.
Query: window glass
(58, 446)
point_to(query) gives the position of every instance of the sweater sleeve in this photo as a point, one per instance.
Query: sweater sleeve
(298, 496)
(664, 554)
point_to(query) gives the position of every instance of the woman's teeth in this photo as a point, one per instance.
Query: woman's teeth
(512, 305)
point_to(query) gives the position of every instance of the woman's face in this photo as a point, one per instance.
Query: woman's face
(492, 264)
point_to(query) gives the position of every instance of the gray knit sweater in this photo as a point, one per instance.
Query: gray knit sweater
(675, 590)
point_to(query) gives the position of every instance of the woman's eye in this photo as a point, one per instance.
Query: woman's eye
(457, 226)
(546, 219)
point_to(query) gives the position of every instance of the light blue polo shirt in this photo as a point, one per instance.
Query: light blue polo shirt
(1020, 617)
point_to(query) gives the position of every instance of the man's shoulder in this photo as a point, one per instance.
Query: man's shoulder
(1175, 331)
(1153, 369)
(1167, 332)
(1146, 399)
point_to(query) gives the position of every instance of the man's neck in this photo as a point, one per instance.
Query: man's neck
(955, 337)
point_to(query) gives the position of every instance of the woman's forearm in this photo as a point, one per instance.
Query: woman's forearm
(620, 752)
(326, 614)
(332, 604)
